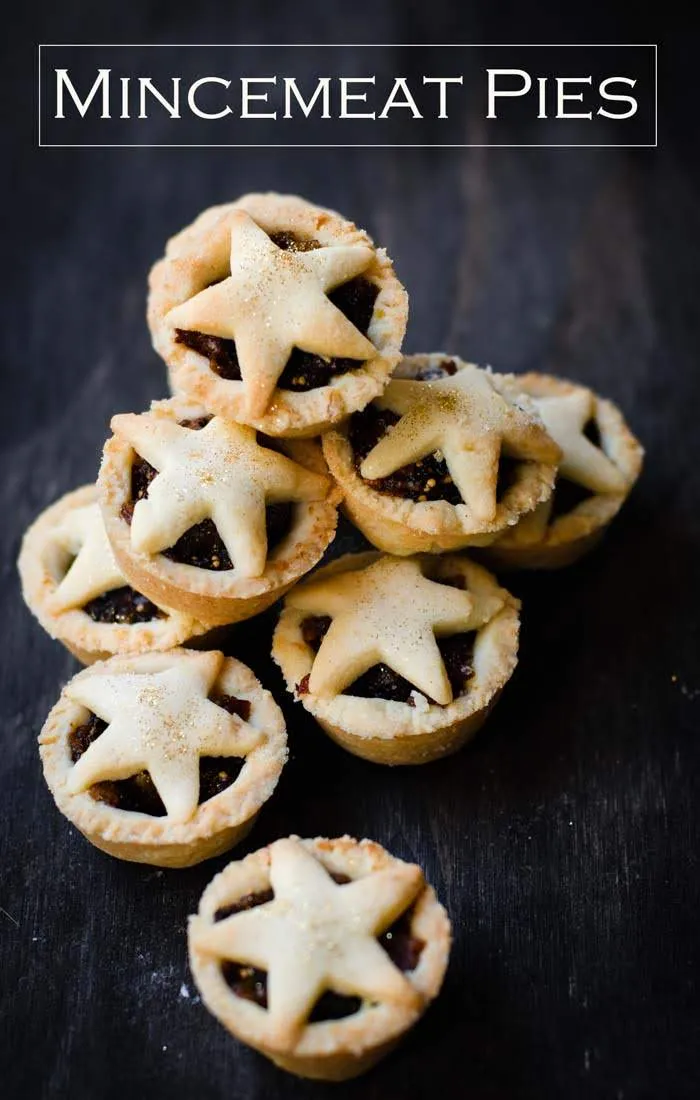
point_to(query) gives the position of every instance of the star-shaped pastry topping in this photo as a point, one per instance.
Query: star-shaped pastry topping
(273, 301)
(94, 570)
(468, 421)
(565, 416)
(219, 472)
(161, 722)
(316, 935)
(388, 612)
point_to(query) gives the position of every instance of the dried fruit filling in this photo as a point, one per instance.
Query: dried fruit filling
(123, 606)
(138, 794)
(380, 681)
(202, 545)
(403, 948)
(303, 371)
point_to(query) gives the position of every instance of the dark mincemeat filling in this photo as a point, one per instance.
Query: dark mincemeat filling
(427, 479)
(138, 794)
(123, 606)
(201, 545)
(380, 681)
(403, 948)
(303, 371)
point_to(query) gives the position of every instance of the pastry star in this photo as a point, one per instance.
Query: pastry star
(565, 418)
(465, 418)
(388, 612)
(316, 935)
(162, 722)
(94, 570)
(273, 301)
(219, 472)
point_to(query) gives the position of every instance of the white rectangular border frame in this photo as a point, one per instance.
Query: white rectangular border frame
(354, 45)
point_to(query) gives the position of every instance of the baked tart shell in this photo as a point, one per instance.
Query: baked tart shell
(569, 537)
(399, 525)
(90, 641)
(215, 598)
(218, 824)
(335, 1050)
(389, 732)
(199, 255)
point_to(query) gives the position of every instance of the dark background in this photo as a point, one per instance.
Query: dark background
(563, 841)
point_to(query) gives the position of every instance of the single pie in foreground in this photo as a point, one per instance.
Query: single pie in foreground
(277, 313)
(72, 584)
(399, 660)
(445, 458)
(204, 516)
(165, 758)
(319, 953)
(601, 460)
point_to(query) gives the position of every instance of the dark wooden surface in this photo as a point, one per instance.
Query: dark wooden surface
(564, 841)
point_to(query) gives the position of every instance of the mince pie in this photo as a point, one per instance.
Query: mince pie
(319, 953)
(72, 584)
(601, 460)
(444, 458)
(205, 516)
(399, 660)
(277, 313)
(165, 758)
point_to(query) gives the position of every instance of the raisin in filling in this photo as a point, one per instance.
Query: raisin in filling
(292, 242)
(250, 983)
(380, 681)
(138, 794)
(202, 546)
(427, 479)
(124, 606)
(303, 371)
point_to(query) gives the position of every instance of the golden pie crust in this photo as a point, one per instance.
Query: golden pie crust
(214, 598)
(337, 1049)
(199, 255)
(219, 823)
(554, 544)
(400, 525)
(390, 732)
(41, 565)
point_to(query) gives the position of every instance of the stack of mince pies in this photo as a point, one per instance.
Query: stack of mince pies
(281, 324)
